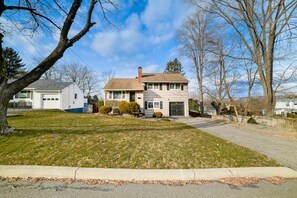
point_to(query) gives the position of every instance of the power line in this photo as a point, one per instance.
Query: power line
(37, 49)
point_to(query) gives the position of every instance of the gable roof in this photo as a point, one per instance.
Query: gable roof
(44, 84)
(123, 84)
(146, 77)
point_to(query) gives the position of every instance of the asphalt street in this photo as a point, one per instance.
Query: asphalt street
(64, 190)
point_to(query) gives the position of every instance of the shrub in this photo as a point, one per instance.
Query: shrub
(133, 107)
(291, 115)
(105, 109)
(252, 121)
(123, 107)
(99, 103)
(157, 114)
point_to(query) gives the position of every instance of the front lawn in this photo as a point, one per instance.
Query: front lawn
(86, 140)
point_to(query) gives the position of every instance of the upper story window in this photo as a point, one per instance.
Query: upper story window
(75, 96)
(176, 86)
(23, 94)
(117, 95)
(151, 86)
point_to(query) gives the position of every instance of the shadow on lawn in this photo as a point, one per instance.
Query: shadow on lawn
(207, 124)
(85, 131)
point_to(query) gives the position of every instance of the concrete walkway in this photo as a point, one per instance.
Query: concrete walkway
(143, 174)
(281, 150)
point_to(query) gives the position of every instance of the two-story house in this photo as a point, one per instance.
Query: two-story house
(156, 92)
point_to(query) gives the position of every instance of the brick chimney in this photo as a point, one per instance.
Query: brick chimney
(139, 74)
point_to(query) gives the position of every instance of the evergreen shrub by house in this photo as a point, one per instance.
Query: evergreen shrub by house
(129, 107)
(133, 107)
(123, 107)
(252, 121)
(105, 109)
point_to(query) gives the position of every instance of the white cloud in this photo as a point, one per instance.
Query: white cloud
(142, 33)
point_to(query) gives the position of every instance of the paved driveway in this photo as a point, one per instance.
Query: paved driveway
(281, 150)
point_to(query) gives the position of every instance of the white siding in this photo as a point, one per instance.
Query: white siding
(285, 105)
(68, 97)
(166, 96)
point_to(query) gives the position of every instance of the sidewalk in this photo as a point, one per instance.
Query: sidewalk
(143, 174)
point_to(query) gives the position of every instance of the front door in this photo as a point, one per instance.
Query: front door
(132, 96)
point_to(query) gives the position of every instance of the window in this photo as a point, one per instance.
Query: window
(153, 104)
(75, 96)
(150, 105)
(23, 94)
(117, 95)
(151, 86)
(177, 86)
(156, 105)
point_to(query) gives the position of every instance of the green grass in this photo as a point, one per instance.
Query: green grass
(86, 140)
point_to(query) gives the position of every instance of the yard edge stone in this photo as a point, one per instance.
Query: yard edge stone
(143, 174)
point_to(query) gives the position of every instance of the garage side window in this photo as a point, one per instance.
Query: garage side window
(23, 94)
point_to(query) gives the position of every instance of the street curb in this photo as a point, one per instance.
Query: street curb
(143, 174)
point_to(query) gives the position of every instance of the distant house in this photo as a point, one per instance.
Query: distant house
(154, 92)
(50, 94)
(286, 105)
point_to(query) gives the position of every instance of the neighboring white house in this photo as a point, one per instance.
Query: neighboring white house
(50, 94)
(166, 93)
(286, 105)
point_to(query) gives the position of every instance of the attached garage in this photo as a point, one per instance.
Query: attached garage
(51, 101)
(177, 108)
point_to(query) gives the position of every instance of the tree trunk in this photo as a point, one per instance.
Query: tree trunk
(247, 105)
(201, 106)
(4, 128)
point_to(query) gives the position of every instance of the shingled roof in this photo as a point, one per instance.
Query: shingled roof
(44, 84)
(123, 84)
(162, 78)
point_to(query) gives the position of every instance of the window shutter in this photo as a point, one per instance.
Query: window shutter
(167, 86)
(160, 86)
(182, 87)
(161, 104)
(145, 86)
(145, 105)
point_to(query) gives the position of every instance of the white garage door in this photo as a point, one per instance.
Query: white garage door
(51, 101)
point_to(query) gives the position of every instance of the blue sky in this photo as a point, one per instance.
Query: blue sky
(144, 35)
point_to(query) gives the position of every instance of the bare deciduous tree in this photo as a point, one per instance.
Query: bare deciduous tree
(223, 75)
(260, 25)
(195, 40)
(85, 78)
(38, 14)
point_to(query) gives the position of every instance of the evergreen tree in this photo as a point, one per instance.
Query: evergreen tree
(174, 67)
(13, 63)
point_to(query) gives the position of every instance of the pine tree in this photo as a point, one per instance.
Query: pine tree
(174, 67)
(13, 63)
